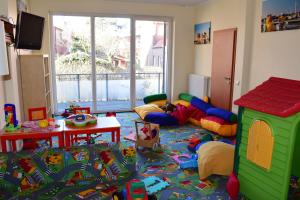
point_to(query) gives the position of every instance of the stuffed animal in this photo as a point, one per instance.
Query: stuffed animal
(168, 108)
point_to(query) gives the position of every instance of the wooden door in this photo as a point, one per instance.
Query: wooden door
(223, 63)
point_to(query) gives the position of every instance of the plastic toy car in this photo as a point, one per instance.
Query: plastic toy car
(135, 190)
(192, 163)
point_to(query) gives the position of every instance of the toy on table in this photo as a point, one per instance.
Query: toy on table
(134, 190)
(44, 123)
(81, 120)
(148, 135)
(11, 118)
(69, 111)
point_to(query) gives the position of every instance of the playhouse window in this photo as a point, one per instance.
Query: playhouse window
(260, 144)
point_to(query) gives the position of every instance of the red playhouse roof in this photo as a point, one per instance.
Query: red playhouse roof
(276, 96)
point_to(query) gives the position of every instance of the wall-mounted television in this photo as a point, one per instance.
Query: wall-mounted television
(29, 31)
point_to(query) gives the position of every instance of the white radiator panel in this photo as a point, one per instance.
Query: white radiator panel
(198, 85)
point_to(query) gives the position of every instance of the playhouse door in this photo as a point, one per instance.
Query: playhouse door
(260, 144)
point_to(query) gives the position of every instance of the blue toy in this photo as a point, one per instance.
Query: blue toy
(192, 163)
(154, 184)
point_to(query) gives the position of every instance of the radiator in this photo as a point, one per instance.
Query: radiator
(198, 85)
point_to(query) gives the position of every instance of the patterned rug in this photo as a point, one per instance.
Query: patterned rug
(183, 183)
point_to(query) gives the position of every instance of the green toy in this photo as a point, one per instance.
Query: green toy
(81, 120)
(185, 96)
(268, 149)
(155, 97)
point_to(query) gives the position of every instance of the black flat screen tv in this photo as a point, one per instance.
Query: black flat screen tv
(29, 31)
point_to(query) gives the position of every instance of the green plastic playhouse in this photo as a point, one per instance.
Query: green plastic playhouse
(268, 140)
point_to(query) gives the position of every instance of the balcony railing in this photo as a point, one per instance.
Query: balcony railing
(110, 86)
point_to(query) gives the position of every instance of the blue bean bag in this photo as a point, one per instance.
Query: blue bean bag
(163, 119)
(224, 114)
(200, 104)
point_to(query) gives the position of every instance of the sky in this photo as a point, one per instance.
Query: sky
(276, 7)
(200, 28)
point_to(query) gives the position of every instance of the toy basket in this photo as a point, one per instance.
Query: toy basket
(151, 131)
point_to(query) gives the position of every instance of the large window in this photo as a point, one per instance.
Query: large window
(109, 63)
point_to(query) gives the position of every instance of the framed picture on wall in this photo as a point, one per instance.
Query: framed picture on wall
(23, 5)
(202, 33)
(280, 15)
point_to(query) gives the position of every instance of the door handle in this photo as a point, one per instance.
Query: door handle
(227, 78)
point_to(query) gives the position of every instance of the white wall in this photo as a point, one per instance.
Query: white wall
(3, 11)
(273, 54)
(9, 84)
(222, 14)
(259, 55)
(183, 27)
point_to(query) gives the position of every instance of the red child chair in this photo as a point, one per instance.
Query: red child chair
(35, 114)
(81, 110)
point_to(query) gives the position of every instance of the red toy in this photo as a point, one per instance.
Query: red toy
(193, 142)
(233, 186)
(111, 114)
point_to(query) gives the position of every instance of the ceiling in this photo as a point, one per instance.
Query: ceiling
(174, 2)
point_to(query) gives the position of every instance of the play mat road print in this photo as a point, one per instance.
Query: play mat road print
(74, 172)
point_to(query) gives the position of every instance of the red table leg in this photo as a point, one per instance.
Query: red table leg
(113, 136)
(3, 145)
(118, 135)
(68, 138)
(60, 141)
(14, 145)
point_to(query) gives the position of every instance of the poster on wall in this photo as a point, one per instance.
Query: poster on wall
(202, 33)
(22, 5)
(280, 15)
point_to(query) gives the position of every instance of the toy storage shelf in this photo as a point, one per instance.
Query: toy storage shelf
(35, 87)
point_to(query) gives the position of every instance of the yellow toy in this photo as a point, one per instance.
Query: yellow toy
(43, 123)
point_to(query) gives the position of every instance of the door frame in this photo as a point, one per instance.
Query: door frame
(133, 18)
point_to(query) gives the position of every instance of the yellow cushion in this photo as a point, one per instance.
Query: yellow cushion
(211, 159)
(182, 102)
(194, 121)
(143, 110)
(206, 99)
(227, 130)
(159, 103)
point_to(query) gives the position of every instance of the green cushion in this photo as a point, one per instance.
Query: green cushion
(155, 97)
(186, 97)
